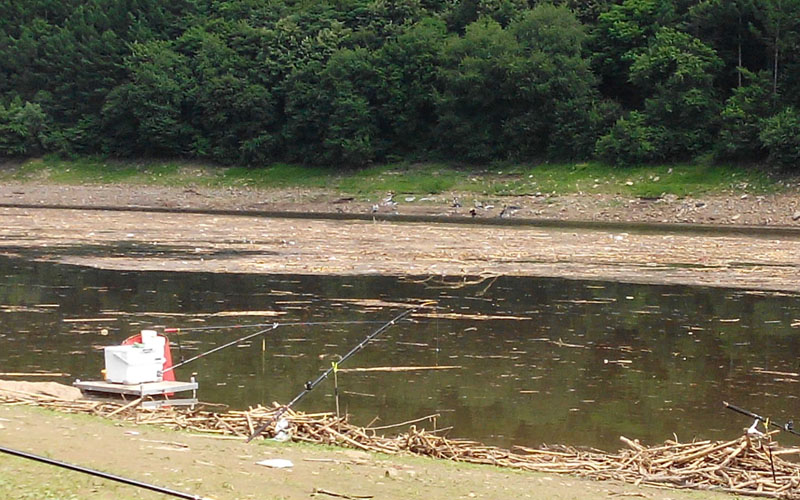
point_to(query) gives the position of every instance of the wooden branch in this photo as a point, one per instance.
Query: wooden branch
(399, 368)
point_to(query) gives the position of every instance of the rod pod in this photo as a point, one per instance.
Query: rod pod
(788, 426)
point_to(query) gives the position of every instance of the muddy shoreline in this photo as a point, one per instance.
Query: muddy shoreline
(143, 233)
(748, 210)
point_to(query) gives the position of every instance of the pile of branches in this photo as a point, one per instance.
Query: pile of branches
(748, 465)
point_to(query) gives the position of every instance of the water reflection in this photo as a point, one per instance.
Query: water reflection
(589, 362)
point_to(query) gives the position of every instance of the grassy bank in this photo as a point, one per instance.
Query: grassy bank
(418, 179)
(227, 469)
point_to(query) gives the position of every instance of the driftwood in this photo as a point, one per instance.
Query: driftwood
(399, 368)
(745, 466)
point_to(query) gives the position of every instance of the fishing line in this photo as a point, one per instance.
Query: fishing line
(104, 475)
(232, 342)
(272, 326)
(310, 385)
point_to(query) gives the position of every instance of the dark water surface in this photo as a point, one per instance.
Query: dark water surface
(591, 362)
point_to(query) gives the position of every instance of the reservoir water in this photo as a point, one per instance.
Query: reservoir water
(537, 360)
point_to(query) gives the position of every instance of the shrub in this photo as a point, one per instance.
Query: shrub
(781, 136)
(22, 128)
(631, 141)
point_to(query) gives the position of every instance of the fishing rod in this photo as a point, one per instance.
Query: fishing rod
(256, 325)
(273, 326)
(104, 475)
(788, 426)
(218, 348)
(310, 385)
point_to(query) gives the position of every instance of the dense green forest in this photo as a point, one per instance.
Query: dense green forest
(348, 82)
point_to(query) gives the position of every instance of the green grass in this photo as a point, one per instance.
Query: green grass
(495, 180)
(97, 171)
(417, 179)
(276, 176)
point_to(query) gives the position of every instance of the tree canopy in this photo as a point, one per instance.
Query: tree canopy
(344, 83)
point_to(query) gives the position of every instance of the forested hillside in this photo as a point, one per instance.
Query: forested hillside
(348, 82)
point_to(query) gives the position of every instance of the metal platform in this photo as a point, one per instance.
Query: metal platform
(157, 391)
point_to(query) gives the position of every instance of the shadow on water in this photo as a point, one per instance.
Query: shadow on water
(131, 249)
(588, 362)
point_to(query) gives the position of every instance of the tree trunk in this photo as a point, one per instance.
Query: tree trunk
(739, 47)
(775, 69)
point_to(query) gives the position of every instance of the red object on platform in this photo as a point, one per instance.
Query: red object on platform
(137, 339)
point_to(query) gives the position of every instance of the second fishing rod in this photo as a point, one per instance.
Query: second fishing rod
(270, 327)
(310, 385)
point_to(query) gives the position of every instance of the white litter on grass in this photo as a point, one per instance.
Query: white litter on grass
(282, 431)
(276, 463)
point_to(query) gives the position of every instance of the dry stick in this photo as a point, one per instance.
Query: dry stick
(733, 455)
(225, 424)
(123, 408)
(632, 444)
(33, 374)
(249, 422)
(399, 368)
(698, 454)
(320, 491)
(408, 422)
(345, 438)
(771, 463)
